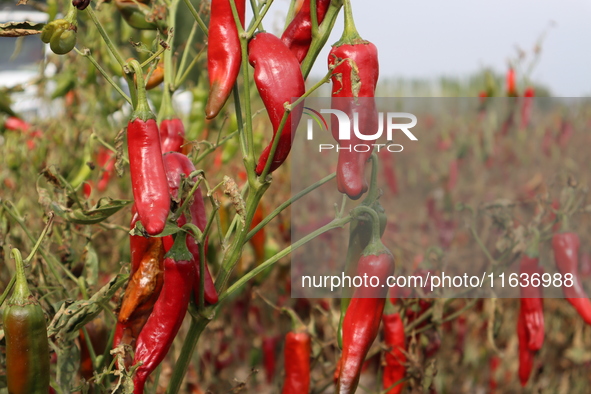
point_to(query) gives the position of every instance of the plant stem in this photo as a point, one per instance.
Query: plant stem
(196, 16)
(287, 203)
(105, 36)
(336, 223)
(188, 45)
(86, 53)
(258, 21)
(321, 36)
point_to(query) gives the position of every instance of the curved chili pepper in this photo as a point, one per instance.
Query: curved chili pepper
(526, 355)
(140, 296)
(298, 34)
(566, 253)
(362, 320)
(25, 332)
(395, 339)
(355, 71)
(278, 78)
(165, 320)
(223, 53)
(177, 164)
(148, 177)
(532, 307)
(156, 77)
(297, 351)
(172, 135)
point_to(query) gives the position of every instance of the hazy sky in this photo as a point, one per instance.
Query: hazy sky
(430, 38)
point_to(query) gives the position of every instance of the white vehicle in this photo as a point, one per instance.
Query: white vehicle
(21, 61)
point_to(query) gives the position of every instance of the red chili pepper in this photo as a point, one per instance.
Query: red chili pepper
(532, 307)
(511, 90)
(137, 244)
(297, 351)
(278, 78)
(172, 135)
(354, 80)
(163, 324)
(298, 35)
(362, 320)
(526, 356)
(389, 168)
(395, 339)
(566, 253)
(148, 177)
(258, 240)
(269, 360)
(223, 53)
(526, 107)
(106, 161)
(177, 164)
(16, 124)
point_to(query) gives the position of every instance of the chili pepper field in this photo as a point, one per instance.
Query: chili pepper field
(170, 175)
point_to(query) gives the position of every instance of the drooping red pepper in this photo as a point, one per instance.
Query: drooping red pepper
(566, 254)
(297, 351)
(278, 78)
(298, 34)
(148, 177)
(172, 135)
(165, 320)
(141, 294)
(526, 107)
(362, 320)
(526, 355)
(177, 164)
(354, 80)
(395, 339)
(532, 307)
(223, 53)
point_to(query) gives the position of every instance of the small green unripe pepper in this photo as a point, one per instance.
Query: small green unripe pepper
(27, 348)
(60, 34)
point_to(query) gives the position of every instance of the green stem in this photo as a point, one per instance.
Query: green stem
(142, 109)
(287, 203)
(258, 21)
(105, 36)
(350, 33)
(336, 223)
(375, 221)
(7, 290)
(314, 17)
(86, 53)
(196, 16)
(321, 36)
(180, 80)
(182, 363)
(188, 46)
(373, 193)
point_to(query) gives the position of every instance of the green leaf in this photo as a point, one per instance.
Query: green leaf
(179, 250)
(19, 29)
(68, 360)
(103, 209)
(169, 229)
(72, 316)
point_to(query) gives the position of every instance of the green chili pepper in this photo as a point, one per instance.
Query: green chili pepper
(27, 348)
